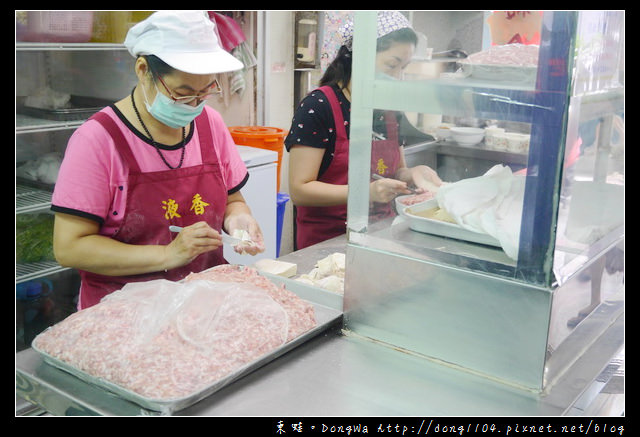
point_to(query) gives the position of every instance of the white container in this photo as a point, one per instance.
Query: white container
(490, 134)
(443, 131)
(430, 122)
(500, 141)
(517, 143)
(467, 136)
(59, 26)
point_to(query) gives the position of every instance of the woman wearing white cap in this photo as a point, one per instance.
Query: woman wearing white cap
(156, 158)
(318, 141)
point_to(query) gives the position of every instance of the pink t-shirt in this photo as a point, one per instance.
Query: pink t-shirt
(92, 181)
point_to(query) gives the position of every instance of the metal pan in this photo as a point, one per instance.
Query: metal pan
(444, 229)
(325, 318)
(80, 108)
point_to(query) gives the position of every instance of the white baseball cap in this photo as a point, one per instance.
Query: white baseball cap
(186, 40)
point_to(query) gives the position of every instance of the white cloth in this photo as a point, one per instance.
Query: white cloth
(489, 204)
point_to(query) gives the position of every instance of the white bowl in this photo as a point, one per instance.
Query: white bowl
(467, 136)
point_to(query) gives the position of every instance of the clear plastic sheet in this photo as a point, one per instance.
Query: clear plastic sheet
(166, 340)
(204, 314)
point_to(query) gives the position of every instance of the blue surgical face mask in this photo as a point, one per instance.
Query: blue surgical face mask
(384, 76)
(171, 113)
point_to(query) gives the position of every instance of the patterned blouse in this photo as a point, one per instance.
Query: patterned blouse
(313, 124)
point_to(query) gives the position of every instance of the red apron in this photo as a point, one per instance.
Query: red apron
(319, 223)
(155, 200)
(385, 160)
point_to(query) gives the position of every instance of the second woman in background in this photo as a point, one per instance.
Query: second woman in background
(318, 141)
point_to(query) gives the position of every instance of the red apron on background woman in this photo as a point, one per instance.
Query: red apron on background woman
(155, 200)
(319, 223)
(385, 160)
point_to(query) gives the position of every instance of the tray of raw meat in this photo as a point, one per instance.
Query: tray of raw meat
(509, 62)
(166, 345)
(412, 199)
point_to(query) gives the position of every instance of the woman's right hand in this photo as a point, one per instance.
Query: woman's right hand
(385, 190)
(77, 243)
(190, 242)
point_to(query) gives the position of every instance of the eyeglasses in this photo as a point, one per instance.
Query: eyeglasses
(189, 99)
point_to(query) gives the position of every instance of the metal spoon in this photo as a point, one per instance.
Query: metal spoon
(228, 239)
(377, 176)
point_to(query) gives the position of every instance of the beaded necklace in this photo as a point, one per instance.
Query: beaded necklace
(155, 145)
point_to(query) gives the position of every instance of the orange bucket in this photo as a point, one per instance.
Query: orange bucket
(270, 138)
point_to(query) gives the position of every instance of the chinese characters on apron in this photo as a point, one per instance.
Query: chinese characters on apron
(155, 200)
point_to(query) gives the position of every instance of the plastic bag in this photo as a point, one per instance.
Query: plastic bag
(209, 315)
(238, 318)
(167, 340)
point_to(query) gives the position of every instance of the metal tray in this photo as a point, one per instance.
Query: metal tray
(445, 229)
(501, 73)
(81, 108)
(325, 318)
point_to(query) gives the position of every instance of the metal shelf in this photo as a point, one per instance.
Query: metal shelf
(30, 199)
(28, 124)
(33, 46)
(29, 271)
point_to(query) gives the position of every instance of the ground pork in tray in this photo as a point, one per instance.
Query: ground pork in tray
(166, 340)
(415, 198)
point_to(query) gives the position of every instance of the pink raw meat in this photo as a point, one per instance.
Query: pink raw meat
(416, 198)
(165, 340)
(509, 54)
(301, 315)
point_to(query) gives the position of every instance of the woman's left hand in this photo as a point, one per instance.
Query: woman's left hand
(386, 189)
(426, 178)
(246, 222)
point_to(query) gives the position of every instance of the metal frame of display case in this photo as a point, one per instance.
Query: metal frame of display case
(471, 307)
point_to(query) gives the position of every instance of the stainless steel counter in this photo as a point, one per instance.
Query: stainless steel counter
(341, 374)
(331, 375)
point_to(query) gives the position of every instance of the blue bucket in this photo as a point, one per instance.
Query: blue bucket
(282, 199)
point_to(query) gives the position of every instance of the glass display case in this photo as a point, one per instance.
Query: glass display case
(522, 267)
